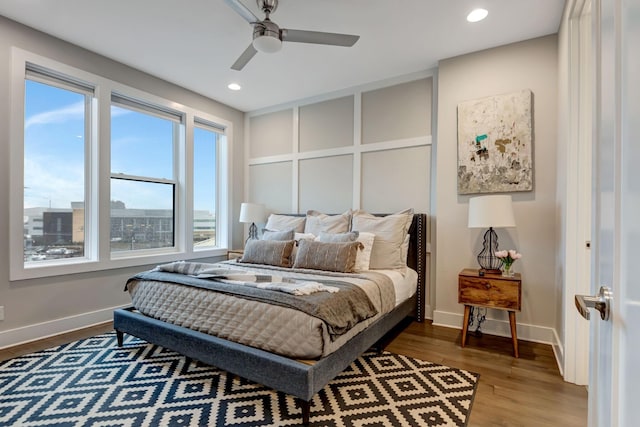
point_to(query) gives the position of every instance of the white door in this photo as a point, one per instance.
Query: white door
(614, 374)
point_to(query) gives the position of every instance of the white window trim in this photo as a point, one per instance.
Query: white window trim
(98, 252)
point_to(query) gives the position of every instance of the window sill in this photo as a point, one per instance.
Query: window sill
(82, 265)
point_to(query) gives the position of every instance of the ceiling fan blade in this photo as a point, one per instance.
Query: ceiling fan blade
(317, 37)
(243, 11)
(244, 58)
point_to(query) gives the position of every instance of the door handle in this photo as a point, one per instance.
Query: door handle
(601, 302)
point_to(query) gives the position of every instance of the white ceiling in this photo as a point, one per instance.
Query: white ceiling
(193, 43)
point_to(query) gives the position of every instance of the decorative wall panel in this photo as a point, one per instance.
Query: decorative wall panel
(327, 124)
(271, 134)
(397, 112)
(393, 180)
(326, 183)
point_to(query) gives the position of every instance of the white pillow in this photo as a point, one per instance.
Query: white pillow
(304, 236)
(285, 222)
(363, 258)
(317, 222)
(390, 231)
(405, 248)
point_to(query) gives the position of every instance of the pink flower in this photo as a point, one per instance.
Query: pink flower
(515, 255)
(508, 257)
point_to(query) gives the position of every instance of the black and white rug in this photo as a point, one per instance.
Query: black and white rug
(93, 382)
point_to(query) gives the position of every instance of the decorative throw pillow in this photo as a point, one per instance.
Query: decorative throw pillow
(277, 235)
(304, 236)
(317, 222)
(269, 252)
(298, 237)
(364, 256)
(340, 257)
(351, 236)
(390, 232)
(278, 222)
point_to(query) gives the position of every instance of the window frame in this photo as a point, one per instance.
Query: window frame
(199, 121)
(98, 254)
(178, 129)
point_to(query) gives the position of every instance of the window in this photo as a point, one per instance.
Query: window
(143, 185)
(56, 117)
(106, 176)
(205, 144)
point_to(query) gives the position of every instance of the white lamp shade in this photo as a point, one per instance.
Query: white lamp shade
(491, 211)
(251, 212)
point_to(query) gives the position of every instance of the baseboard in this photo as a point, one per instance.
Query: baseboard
(558, 351)
(533, 333)
(26, 334)
(428, 312)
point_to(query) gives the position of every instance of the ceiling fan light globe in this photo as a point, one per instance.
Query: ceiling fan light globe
(267, 44)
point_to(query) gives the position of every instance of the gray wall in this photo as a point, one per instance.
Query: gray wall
(530, 65)
(42, 306)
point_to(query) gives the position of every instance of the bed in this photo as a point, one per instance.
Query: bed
(295, 375)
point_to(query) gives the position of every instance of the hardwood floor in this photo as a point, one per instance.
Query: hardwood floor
(528, 391)
(11, 352)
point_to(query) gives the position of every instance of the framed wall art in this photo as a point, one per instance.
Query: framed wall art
(495, 144)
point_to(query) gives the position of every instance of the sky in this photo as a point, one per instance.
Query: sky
(141, 144)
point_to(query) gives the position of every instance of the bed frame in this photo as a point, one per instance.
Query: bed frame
(301, 380)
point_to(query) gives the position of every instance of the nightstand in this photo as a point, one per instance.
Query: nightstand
(235, 253)
(490, 291)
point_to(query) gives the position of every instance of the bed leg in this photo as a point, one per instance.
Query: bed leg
(306, 410)
(379, 347)
(187, 362)
(120, 337)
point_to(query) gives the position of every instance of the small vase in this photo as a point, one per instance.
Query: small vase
(507, 271)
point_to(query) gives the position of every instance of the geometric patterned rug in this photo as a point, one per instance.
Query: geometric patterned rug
(93, 382)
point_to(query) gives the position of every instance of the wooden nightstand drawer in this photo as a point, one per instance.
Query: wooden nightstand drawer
(493, 291)
(489, 293)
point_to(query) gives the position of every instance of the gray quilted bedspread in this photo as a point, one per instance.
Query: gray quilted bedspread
(340, 311)
(280, 328)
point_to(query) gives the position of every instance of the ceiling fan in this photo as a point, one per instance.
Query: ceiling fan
(268, 37)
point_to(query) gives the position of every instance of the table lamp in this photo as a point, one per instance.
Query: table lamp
(252, 213)
(495, 211)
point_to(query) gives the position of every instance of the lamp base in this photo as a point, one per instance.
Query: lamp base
(487, 257)
(253, 233)
(483, 271)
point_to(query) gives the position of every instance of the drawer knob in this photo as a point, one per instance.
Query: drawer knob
(487, 285)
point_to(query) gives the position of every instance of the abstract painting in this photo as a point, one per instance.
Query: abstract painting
(494, 144)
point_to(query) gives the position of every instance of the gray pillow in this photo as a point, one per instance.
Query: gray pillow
(278, 235)
(351, 236)
(269, 252)
(340, 257)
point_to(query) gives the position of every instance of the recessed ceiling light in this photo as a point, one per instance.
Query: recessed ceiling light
(477, 15)
(234, 86)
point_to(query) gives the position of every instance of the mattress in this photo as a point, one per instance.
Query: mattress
(273, 328)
